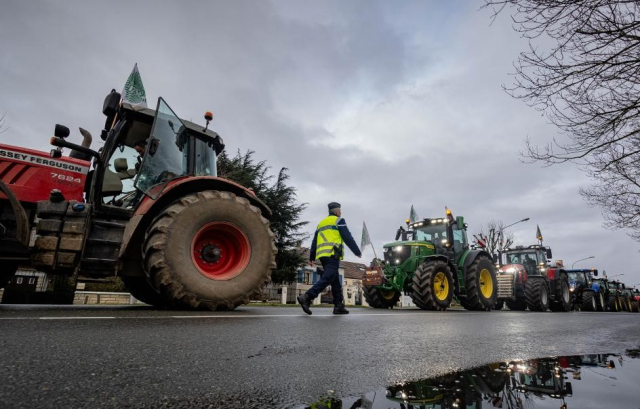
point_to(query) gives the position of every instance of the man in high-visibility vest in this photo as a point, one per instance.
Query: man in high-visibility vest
(328, 247)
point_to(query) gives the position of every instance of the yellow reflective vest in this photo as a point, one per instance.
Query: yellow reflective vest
(329, 238)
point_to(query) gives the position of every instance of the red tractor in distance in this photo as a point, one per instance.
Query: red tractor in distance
(147, 206)
(528, 279)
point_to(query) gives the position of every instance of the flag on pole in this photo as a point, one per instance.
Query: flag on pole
(413, 215)
(366, 240)
(501, 239)
(133, 91)
(538, 233)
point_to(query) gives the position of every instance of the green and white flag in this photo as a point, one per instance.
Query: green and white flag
(133, 91)
(413, 215)
(366, 240)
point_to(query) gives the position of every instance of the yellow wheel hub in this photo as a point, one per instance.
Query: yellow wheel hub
(441, 286)
(387, 295)
(486, 283)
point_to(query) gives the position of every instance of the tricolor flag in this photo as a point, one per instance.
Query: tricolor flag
(413, 215)
(366, 240)
(133, 91)
(538, 233)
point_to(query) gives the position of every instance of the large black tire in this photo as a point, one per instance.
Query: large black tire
(432, 286)
(635, 306)
(481, 269)
(378, 298)
(562, 297)
(537, 294)
(518, 305)
(170, 251)
(613, 304)
(602, 305)
(588, 302)
(142, 290)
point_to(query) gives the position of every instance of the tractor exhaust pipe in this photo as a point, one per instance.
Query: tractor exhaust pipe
(86, 143)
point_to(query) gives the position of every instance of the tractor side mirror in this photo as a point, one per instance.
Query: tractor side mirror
(61, 131)
(549, 254)
(111, 102)
(595, 273)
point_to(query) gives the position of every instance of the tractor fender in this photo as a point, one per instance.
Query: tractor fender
(472, 255)
(22, 221)
(150, 208)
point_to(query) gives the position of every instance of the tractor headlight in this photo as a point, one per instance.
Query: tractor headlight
(511, 270)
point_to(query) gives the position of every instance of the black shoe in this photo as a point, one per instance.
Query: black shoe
(339, 309)
(305, 303)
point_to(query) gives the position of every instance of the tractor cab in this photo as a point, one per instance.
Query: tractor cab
(145, 149)
(534, 258)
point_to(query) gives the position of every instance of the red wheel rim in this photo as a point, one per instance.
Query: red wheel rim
(220, 251)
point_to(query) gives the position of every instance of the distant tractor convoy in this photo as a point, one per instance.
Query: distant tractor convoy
(177, 235)
(181, 237)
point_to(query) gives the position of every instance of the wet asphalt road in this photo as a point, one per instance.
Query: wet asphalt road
(76, 356)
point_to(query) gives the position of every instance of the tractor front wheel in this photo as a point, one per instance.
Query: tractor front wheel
(537, 295)
(380, 298)
(482, 286)
(432, 286)
(209, 250)
(601, 305)
(612, 303)
(635, 307)
(588, 301)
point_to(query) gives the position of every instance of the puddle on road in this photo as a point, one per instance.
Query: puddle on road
(581, 381)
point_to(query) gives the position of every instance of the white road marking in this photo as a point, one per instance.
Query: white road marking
(76, 318)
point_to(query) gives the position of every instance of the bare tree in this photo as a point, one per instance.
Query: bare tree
(588, 84)
(493, 237)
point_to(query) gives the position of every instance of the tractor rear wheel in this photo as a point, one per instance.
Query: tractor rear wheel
(209, 250)
(612, 303)
(537, 295)
(518, 305)
(140, 288)
(635, 306)
(432, 286)
(482, 286)
(378, 298)
(562, 300)
(601, 305)
(588, 301)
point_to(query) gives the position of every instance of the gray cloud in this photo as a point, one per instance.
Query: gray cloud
(378, 105)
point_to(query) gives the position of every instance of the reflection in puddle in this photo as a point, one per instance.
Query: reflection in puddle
(581, 381)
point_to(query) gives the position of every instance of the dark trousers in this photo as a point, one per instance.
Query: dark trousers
(330, 277)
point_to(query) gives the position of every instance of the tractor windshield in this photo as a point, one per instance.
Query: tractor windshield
(528, 259)
(577, 277)
(167, 152)
(434, 233)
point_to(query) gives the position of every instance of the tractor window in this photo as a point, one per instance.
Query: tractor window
(434, 233)
(205, 159)
(167, 152)
(118, 187)
(459, 240)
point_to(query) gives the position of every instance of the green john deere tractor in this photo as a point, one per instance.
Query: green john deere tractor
(431, 261)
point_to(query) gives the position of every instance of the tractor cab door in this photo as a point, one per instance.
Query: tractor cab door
(167, 152)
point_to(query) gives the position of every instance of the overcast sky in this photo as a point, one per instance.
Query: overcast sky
(376, 105)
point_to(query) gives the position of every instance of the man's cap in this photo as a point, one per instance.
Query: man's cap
(334, 205)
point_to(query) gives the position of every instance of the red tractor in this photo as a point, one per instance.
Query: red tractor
(527, 279)
(177, 235)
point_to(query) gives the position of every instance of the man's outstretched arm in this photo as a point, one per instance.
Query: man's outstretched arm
(348, 238)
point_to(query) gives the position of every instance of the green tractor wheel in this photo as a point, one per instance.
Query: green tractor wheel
(588, 301)
(613, 303)
(537, 295)
(432, 286)
(601, 304)
(379, 298)
(482, 286)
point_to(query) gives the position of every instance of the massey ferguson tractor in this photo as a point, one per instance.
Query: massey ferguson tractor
(527, 278)
(147, 206)
(432, 262)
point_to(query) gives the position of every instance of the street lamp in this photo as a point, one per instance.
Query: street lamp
(582, 259)
(512, 224)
